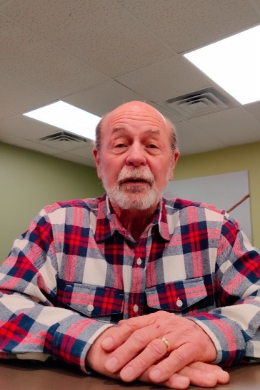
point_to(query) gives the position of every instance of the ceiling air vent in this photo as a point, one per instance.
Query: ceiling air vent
(65, 140)
(198, 103)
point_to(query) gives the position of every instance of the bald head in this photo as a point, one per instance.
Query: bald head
(131, 108)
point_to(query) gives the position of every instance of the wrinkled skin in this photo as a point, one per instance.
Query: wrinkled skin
(133, 350)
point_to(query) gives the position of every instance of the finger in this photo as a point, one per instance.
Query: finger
(140, 349)
(139, 322)
(197, 373)
(154, 352)
(124, 330)
(221, 375)
(198, 377)
(118, 335)
(176, 361)
(176, 381)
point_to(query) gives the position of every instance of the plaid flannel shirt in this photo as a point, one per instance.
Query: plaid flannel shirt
(77, 271)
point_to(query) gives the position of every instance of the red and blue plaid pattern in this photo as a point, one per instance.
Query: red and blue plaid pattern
(77, 271)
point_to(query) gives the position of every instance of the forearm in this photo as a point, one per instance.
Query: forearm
(35, 330)
(234, 331)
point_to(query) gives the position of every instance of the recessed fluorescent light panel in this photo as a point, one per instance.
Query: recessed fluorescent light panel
(234, 64)
(67, 117)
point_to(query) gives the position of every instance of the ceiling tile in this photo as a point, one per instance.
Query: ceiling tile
(253, 109)
(166, 79)
(5, 110)
(71, 50)
(26, 128)
(116, 43)
(103, 98)
(22, 97)
(74, 158)
(3, 1)
(173, 118)
(85, 152)
(25, 56)
(192, 140)
(233, 127)
(185, 22)
(26, 144)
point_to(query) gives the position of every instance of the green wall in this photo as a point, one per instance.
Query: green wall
(233, 159)
(31, 180)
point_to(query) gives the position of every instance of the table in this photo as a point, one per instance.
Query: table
(58, 376)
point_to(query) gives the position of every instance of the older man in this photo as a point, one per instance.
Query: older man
(179, 278)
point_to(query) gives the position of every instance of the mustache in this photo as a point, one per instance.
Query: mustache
(135, 174)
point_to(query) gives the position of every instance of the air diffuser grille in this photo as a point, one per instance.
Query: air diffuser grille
(65, 141)
(63, 136)
(199, 103)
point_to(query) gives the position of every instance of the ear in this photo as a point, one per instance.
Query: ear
(175, 158)
(97, 161)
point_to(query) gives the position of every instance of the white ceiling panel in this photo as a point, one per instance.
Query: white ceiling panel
(42, 64)
(182, 24)
(74, 158)
(5, 110)
(99, 54)
(91, 31)
(103, 98)
(85, 152)
(27, 128)
(230, 126)
(166, 79)
(191, 139)
(22, 97)
(254, 110)
(26, 144)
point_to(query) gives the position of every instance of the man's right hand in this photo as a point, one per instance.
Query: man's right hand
(197, 373)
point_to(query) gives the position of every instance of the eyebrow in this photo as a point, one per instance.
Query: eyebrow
(146, 132)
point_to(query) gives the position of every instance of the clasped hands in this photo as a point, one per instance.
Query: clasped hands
(159, 348)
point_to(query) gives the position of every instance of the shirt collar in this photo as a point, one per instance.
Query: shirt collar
(107, 222)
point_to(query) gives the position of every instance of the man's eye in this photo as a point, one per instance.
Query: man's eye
(120, 145)
(152, 146)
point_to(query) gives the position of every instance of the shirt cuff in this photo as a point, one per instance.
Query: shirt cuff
(72, 338)
(226, 335)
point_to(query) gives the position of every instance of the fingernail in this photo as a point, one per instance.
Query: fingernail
(155, 375)
(111, 364)
(127, 374)
(107, 342)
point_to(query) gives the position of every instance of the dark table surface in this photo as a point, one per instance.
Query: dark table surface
(58, 376)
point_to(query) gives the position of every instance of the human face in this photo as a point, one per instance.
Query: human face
(136, 161)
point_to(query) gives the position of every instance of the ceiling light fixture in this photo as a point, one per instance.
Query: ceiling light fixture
(233, 63)
(67, 117)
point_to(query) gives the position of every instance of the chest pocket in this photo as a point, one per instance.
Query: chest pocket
(93, 301)
(176, 296)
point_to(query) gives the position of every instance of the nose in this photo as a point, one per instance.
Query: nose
(136, 155)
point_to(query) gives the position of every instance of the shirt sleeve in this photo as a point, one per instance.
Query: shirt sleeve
(234, 326)
(31, 326)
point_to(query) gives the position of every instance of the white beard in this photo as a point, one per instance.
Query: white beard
(128, 196)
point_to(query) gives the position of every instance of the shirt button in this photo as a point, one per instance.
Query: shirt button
(90, 308)
(179, 302)
(135, 308)
(139, 261)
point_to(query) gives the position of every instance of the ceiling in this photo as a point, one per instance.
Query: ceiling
(97, 54)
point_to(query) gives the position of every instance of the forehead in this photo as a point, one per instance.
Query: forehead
(143, 119)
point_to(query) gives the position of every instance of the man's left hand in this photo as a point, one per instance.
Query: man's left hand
(138, 346)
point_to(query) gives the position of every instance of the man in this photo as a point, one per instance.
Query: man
(180, 279)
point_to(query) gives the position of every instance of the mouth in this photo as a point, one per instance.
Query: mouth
(134, 181)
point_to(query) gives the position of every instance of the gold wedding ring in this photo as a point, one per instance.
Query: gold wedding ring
(167, 344)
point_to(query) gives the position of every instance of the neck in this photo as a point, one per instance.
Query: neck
(134, 221)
